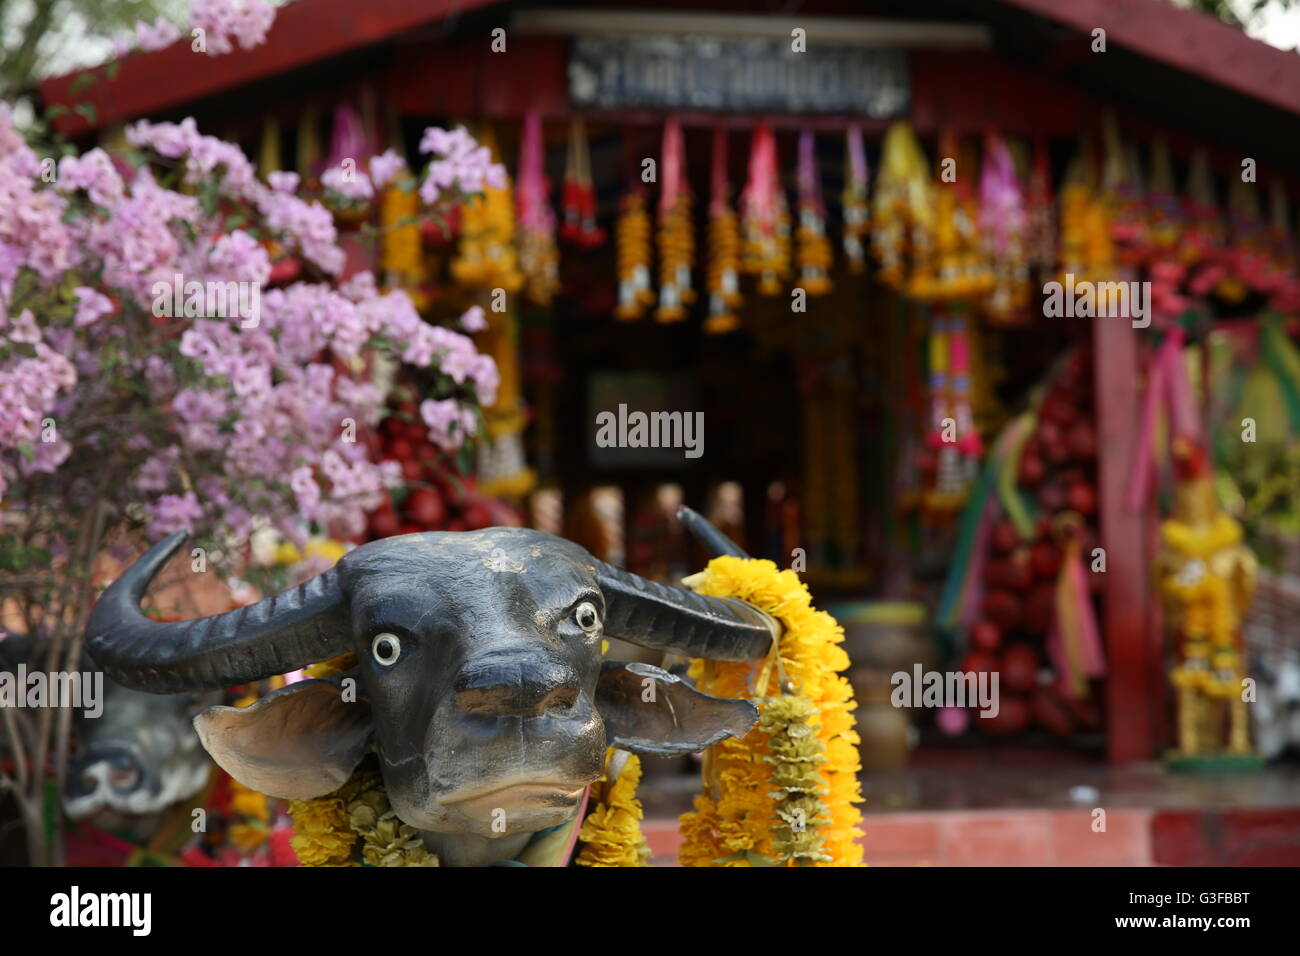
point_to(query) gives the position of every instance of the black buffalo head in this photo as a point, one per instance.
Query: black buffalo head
(479, 682)
(140, 756)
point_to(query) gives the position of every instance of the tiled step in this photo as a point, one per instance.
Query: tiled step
(983, 838)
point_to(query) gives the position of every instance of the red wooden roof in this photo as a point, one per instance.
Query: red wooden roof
(1188, 40)
(308, 31)
(303, 33)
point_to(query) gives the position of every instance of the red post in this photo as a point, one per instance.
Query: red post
(1134, 675)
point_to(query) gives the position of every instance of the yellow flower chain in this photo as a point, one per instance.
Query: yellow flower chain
(487, 256)
(676, 256)
(632, 234)
(327, 829)
(735, 819)
(401, 249)
(723, 274)
(611, 833)
(796, 757)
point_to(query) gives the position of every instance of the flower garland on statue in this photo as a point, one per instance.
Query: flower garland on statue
(611, 833)
(797, 756)
(327, 829)
(754, 785)
(354, 825)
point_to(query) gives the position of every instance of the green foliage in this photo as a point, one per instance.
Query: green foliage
(42, 38)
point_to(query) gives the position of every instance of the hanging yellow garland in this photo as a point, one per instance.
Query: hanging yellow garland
(724, 269)
(796, 757)
(735, 821)
(487, 257)
(676, 254)
(401, 251)
(632, 234)
(611, 833)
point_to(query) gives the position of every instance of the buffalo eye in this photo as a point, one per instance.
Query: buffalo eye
(587, 616)
(386, 648)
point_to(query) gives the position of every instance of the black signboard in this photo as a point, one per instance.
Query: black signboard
(752, 74)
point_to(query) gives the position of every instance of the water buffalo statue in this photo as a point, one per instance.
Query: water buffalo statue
(479, 684)
(137, 759)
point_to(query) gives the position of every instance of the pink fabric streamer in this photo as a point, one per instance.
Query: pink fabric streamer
(760, 192)
(973, 590)
(670, 164)
(1002, 208)
(810, 190)
(347, 138)
(1184, 421)
(1092, 659)
(1167, 385)
(535, 214)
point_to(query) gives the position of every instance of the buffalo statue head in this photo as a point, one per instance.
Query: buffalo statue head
(479, 683)
(138, 758)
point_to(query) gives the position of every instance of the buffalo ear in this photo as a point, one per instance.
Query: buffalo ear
(300, 742)
(650, 711)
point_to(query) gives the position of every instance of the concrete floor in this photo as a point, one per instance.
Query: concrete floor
(1013, 810)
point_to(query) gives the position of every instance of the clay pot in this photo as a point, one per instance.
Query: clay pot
(885, 635)
(885, 731)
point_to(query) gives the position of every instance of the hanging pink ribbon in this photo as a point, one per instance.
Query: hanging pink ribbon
(1002, 211)
(759, 196)
(347, 138)
(1169, 387)
(810, 190)
(532, 189)
(1074, 641)
(670, 165)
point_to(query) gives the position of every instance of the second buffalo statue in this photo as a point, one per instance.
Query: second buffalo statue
(479, 682)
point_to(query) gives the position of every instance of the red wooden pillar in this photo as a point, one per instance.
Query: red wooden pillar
(1134, 682)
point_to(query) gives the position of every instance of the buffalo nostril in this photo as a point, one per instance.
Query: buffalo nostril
(560, 700)
(124, 779)
(516, 687)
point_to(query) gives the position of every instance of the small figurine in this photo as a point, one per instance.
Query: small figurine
(1207, 577)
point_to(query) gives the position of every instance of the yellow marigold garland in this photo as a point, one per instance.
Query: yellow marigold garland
(796, 756)
(327, 829)
(735, 818)
(611, 833)
(632, 234)
(488, 257)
